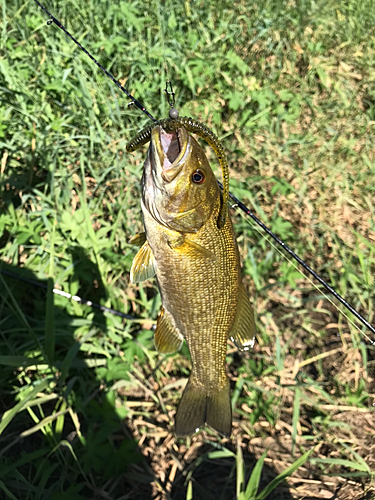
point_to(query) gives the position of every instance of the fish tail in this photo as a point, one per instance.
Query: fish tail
(219, 410)
(198, 406)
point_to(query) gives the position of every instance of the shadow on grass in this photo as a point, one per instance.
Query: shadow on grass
(84, 450)
(88, 452)
(215, 479)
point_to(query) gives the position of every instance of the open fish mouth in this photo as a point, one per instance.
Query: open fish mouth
(171, 148)
(170, 143)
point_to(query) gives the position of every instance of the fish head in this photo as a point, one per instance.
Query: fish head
(179, 188)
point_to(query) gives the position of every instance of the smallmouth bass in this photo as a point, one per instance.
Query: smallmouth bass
(197, 268)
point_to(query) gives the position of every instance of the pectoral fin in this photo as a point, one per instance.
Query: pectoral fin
(138, 239)
(143, 267)
(184, 246)
(243, 329)
(167, 339)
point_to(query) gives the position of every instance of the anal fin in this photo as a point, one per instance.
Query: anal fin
(143, 267)
(167, 339)
(243, 329)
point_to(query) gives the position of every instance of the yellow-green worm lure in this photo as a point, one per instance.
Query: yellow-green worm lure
(174, 122)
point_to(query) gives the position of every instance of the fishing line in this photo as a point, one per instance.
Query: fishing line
(202, 130)
(59, 25)
(306, 267)
(72, 297)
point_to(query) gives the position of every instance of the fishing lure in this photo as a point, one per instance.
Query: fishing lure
(173, 123)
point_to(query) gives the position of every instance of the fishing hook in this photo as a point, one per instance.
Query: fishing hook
(173, 112)
(196, 127)
(170, 93)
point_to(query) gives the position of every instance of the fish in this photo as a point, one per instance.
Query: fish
(197, 267)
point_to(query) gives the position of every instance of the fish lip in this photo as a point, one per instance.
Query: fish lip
(169, 150)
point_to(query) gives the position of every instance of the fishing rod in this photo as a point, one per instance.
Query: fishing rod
(302, 263)
(198, 129)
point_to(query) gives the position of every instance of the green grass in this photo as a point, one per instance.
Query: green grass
(88, 405)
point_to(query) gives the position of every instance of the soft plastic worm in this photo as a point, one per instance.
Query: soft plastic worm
(169, 125)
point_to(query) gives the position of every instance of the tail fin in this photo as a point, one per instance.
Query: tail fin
(219, 410)
(198, 406)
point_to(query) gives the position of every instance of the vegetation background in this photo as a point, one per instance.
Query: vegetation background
(88, 405)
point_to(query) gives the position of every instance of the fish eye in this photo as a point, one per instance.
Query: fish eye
(198, 177)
